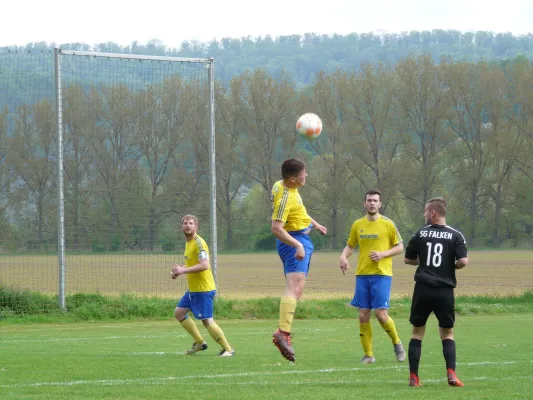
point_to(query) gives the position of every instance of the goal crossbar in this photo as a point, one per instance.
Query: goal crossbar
(135, 56)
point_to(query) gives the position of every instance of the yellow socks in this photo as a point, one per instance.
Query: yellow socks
(365, 334)
(189, 325)
(218, 336)
(390, 328)
(287, 307)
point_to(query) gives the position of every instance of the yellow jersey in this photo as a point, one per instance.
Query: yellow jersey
(379, 235)
(195, 250)
(287, 206)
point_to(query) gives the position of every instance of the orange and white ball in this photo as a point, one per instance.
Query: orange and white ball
(309, 125)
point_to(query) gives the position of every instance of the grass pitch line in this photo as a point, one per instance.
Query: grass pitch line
(155, 381)
(172, 334)
(157, 353)
(81, 339)
(363, 381)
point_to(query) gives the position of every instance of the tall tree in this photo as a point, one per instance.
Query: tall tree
(6, 175)
(423, 108)
(330, 176)
(229, 160)
(79, 132)
(375, 139)
(468, 117)
(33, 159)
(505, 144)
(159, 129)
(115, 153)
(521, 81)
(269, 120)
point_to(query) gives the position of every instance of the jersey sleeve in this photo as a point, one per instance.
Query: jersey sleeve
(201, 249)
(395, 236)
(411, 252)
(460, 247)
(280, 206)
(353, 239)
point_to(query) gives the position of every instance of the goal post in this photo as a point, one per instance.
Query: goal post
(168, 87)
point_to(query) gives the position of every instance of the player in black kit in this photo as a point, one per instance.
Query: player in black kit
(438, 250)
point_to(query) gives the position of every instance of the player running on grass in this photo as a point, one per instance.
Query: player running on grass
(202, 289)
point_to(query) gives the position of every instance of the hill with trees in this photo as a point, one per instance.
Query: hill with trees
(417, 115)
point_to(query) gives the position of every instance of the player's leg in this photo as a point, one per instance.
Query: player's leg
(294, 284)
(361, 300)
(421, 308)
(295, 278)
(188, 324)
(202, 308)
(449, 352)
(218, 336)
(445, 313)
(415, 352)
(380, 302)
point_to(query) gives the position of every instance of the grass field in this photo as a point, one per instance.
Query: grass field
(250, 275)
(144, 360)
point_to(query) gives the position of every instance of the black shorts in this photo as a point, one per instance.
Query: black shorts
(428, 299)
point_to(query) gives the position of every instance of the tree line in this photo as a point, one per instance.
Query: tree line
(135, 160)
(303, 56)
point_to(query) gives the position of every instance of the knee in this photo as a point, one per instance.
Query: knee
(446, 333)
(295, 286)
(418, 332)
(180, 314)
(364, 315)
(382, 315)
(297, 291)
(207, 322)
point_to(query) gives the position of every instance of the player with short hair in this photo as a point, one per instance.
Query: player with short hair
(438, 250)
(291, 225)
(202, 290)
(378, 240)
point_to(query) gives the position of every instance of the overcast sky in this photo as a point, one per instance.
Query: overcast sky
(173, 21)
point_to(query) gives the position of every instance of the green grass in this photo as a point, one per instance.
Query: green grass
(142, 360)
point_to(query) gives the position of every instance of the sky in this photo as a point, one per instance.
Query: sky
(175, 21)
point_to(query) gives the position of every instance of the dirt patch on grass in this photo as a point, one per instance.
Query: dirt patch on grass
(251, 275)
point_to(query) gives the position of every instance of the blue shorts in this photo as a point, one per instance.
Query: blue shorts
(372, 291)
(286, 253)
(200, 303)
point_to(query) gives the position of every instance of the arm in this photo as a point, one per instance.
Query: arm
(411, 262)
(461, 253)
(411, 252)
(178, 270)
(461, 263)
(283, 236)
(347, 252)
(322, 229)
(395, 250)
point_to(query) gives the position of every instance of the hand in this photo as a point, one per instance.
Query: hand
(300, 252)
(376, 255)
(322, 229)
(344, 265)
(177, 270)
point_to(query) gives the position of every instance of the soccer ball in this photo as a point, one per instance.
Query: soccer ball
(309, 125)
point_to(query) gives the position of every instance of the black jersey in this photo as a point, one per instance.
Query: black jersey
(437, 247)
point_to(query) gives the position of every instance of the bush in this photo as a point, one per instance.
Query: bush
(20, 302)
(265, 240)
